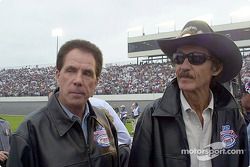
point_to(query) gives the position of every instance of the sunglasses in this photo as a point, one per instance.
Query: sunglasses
(194, 58)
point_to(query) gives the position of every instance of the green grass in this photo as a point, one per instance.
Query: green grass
(14, 120)
(129, 126)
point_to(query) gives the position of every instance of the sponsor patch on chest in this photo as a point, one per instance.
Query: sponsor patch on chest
(101, 137)
(228, 136)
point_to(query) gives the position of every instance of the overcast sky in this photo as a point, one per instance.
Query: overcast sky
(26, 25)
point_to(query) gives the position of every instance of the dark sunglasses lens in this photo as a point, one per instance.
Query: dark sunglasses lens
(197, 58)
(178, 58)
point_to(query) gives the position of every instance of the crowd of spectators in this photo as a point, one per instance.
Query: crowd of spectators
(115, 79)
(27, 81)
(245, 71)
(134, 79)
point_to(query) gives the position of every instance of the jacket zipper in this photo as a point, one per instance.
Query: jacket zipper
(87, 142)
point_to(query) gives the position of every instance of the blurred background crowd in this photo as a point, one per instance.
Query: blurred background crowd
(115, 79)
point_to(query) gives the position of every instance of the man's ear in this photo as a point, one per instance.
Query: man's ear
(216, 69)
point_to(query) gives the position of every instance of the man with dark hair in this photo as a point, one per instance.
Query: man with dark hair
(69, 131)
(197, 122)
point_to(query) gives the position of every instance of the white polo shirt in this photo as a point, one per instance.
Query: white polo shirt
(198, 137)
(122, 132)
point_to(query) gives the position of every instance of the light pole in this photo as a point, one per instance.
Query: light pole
(57, 32)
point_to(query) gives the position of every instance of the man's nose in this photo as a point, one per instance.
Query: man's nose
(78, 80)
(186, 64)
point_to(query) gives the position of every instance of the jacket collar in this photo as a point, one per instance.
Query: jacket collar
(59, 118)
(170, 104)
(167, 104)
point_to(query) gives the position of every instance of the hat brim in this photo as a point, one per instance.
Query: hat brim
(218, 45)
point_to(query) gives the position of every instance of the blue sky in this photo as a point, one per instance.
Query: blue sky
(26, 25)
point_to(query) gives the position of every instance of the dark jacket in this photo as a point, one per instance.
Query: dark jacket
(160, 132)
(5, 133)
(49, 138)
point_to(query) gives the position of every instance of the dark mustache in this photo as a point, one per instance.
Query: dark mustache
(185, 74)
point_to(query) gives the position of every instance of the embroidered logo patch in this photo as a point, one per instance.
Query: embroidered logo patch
(101, 137)
(228, 136)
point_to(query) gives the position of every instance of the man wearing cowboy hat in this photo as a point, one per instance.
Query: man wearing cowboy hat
(197, 121)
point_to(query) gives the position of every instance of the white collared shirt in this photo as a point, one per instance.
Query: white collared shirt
(198, 137)
(136, 111)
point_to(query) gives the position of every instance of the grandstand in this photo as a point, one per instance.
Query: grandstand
(142, 81)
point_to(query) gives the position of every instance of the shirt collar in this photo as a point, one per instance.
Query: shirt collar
(73, 116)
(187, 107)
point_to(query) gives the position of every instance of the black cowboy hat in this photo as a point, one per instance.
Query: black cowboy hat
(200, 33)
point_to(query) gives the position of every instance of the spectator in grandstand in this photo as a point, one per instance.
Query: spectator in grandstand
(5, 132)
(124, 114)
(196, 114)
(69, 131)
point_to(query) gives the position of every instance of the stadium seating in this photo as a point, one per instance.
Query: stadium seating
(115, 79)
